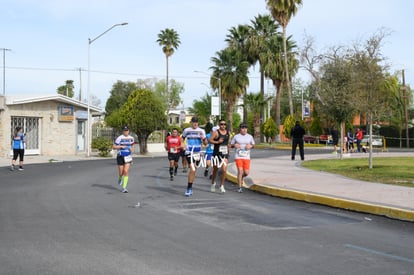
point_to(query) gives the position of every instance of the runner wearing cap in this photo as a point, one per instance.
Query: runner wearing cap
(173, 146)
(125, 145)
(194, 137)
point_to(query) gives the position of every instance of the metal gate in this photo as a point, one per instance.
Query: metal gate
(30, 126)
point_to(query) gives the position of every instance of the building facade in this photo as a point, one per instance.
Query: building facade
(53, 125)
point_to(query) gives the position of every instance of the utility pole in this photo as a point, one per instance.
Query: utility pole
(4, 69)
(80, 84)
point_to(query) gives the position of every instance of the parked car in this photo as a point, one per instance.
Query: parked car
(325, 139)
(376, 140)
(309, 139)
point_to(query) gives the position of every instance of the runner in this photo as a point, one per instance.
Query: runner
(173, 145)
(194, 137)
(18, 148)
(125, 146)
(209, 149)
(220, 139)
(243, 142)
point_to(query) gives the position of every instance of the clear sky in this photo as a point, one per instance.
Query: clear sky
(49, 39)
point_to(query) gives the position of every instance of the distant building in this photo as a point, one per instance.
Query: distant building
(54, 125)
(178, 117)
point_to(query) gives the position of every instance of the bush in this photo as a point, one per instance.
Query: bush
(103, 145)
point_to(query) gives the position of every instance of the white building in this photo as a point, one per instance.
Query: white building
(54, 125)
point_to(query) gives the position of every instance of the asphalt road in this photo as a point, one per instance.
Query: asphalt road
(71, 218)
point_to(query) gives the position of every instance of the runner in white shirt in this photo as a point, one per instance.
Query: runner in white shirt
(243, 142)
(125, 146)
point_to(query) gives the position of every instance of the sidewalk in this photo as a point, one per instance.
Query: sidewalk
(282, 177)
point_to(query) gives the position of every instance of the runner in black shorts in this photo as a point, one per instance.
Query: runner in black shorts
(173, 146)
(220, 139)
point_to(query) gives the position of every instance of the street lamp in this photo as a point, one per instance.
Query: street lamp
(90, 41)
(219, 88)
(4, 69)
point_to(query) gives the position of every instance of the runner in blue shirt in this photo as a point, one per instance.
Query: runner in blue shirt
(194, 138)
(125, 145)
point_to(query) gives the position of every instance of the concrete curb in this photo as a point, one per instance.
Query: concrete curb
(336, 202)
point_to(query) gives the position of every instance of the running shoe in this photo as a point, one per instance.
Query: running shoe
(171, 178)
(124, 190)
(12, 168)
(21, 169)
(188, 192)
(213, 187)
(240, 190)
(222, 190)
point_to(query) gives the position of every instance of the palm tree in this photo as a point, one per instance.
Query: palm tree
(254, 103)
(282, 11)
(232, 72)
(169, 40)
(274, 68)
(262, 29)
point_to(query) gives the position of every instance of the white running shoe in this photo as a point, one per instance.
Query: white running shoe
(124, 190)
(222, 190)
(213, 188)
(240, 190)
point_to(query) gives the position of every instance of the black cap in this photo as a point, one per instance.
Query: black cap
(125, 128)
(243, 125)
(18, 128)
(194, 119)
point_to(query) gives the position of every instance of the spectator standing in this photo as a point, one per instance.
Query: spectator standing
(243, 142)
(297, 134)
(350, 140)
(359, 135)
(18, 144)
(335, 139)
(125, 145)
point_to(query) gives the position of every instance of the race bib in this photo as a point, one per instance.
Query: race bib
(243, 153)
(223, 149)
(128, 159)
(173, 150)
(196, 157)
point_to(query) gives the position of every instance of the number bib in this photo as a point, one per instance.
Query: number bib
(223, 149)
(173, 150)
(243, 153)
(128, 159)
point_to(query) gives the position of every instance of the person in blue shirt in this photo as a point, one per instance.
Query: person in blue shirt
(125, 146)
(209, 148)
(18, 148)
(193, 137)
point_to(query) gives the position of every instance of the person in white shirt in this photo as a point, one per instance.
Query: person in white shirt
(243, 142)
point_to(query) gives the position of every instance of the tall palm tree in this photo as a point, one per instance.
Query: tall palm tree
(169, 40)
(262, 29)
(232, 71)
(282, 11)
(237, 39)
(273, 64)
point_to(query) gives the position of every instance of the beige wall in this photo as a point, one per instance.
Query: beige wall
(56, 138)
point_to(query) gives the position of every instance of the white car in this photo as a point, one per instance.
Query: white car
(376, 140)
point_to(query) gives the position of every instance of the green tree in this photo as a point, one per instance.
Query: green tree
(255, 103)
(232, 70)
(66, 89)
(270, 130)
(263, 28)
(118, 96)
(143, 113)
(202, 108)
(176, 89)
(169, 40)
(282, 11)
